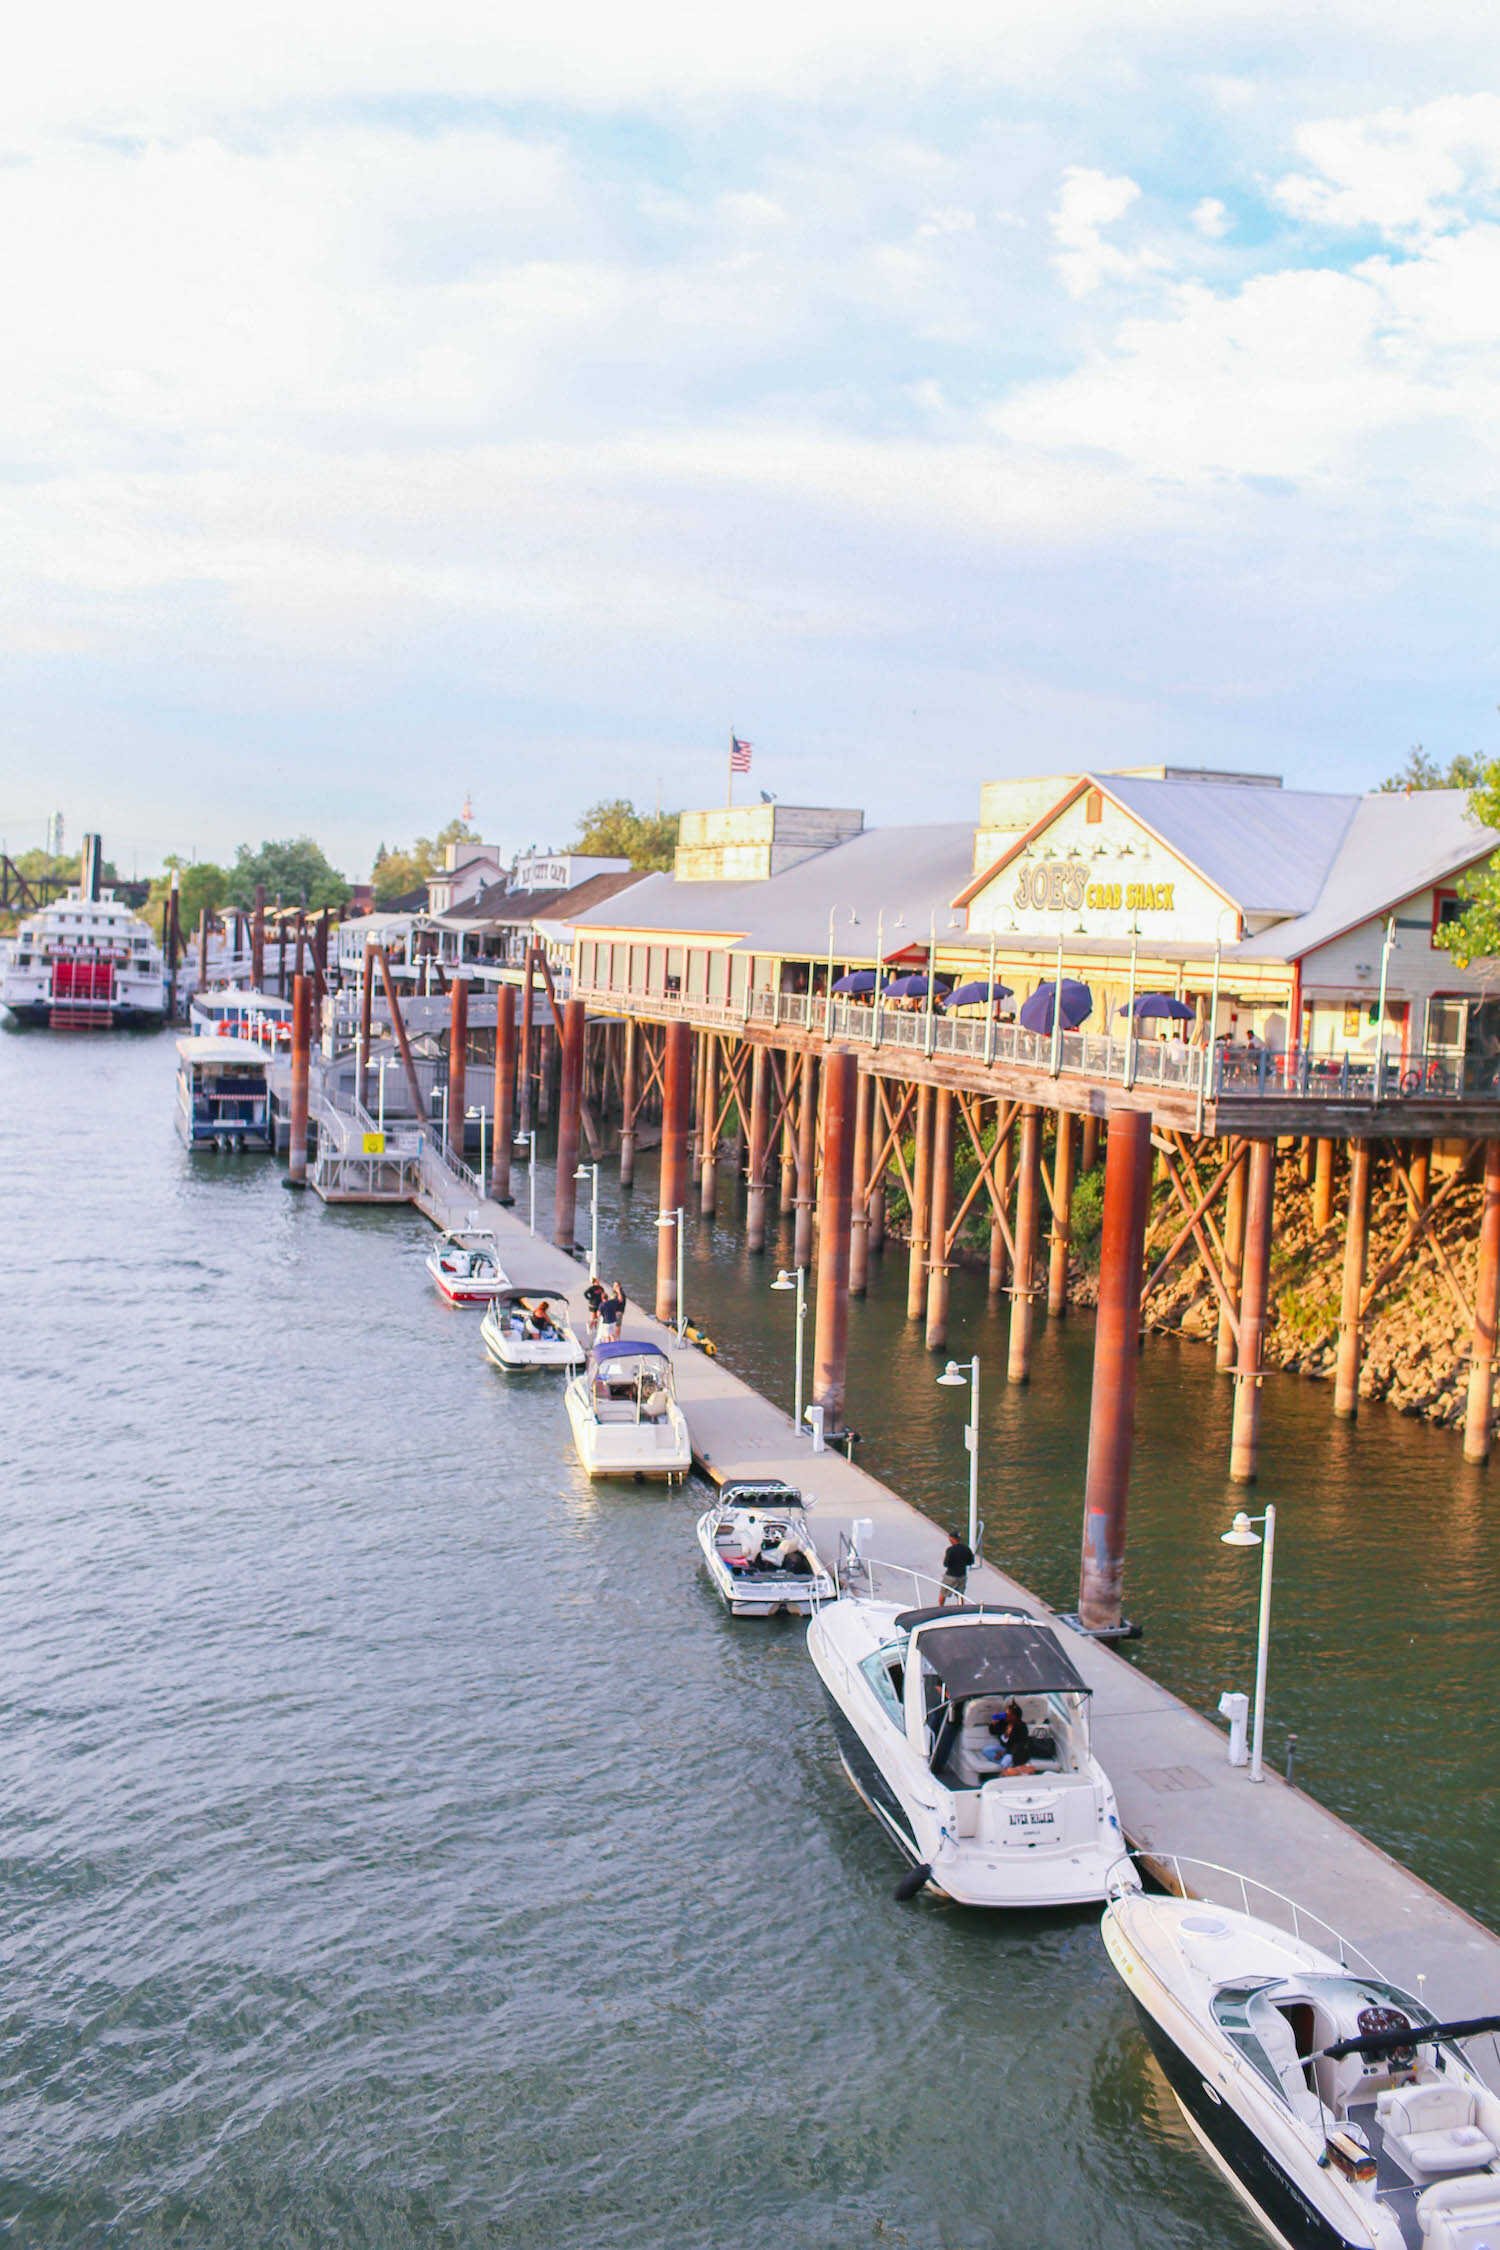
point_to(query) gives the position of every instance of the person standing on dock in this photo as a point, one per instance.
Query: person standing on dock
(593, 1297)
(958, 1561)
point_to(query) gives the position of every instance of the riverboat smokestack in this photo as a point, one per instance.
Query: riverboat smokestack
(92, 866)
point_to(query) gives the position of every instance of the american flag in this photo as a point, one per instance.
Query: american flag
(739, 755)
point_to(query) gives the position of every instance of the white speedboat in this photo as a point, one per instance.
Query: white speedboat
(625, 1416)
(1335, 2105)
(760, 1553)
(528, 1328)
(917, 1696)
(466, 1267)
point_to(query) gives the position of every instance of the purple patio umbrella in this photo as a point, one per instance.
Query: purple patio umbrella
(1076, 1006)
(857, 980)
(1159, 1004)
(971, 995)
(914, 987)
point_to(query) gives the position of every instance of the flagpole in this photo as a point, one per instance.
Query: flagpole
(729, 800)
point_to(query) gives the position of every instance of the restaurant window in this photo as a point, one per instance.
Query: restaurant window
(1094, 810)
(1447, 906)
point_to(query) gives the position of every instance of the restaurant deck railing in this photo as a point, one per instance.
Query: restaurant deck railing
(1177, 1065)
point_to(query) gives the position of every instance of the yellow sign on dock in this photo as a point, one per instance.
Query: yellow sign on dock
(374, 1144)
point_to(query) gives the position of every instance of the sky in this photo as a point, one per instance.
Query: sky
(404, 405)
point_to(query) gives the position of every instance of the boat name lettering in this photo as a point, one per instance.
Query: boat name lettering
(1033, 1820)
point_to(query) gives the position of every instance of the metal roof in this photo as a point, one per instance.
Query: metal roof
(1396, 845)
(909, 874)
(1270, 851)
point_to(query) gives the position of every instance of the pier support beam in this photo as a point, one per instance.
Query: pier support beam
(807, 1161)
(1005, 1173)
(831, 1336)
(628, 1101)
(1479, 1415)
(458, 1066)
(1322, 1197)
(1234, 1265)
(1028, 1223)
(859, 1238)
(296, 1155)
(676, 1118)
(708, 1143)
(789, 1066)
(921, 1205)
(942, 1204)
(1356, 1247)
(1062, 1218)
(1089, 1155)
(569, 1121)
(258, 940)
(760, 1133)
(1260, 1211)
(505, 1093)
(366, 1022)
(1127, 1202)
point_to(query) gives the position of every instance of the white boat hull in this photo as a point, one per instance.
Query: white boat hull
(516, 1353)
(772, 1594)
(655, 1449)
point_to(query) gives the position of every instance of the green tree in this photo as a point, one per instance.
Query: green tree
(613, 829)
(398, 871)
(201, 883)
(1421, 772)
(293, 870)
(1475, 935)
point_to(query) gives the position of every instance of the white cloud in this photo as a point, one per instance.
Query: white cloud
(1211, 219)
(1401, 171)
(1087, 203)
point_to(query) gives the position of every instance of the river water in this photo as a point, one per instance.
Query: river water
(401, 1847)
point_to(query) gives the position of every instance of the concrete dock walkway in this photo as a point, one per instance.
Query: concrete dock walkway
(1176, 1791)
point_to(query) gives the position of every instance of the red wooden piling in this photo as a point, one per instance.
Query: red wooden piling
(760, 1134)
(807, 1161)
(831, 1338)
(1028, 1230)
(859, 1238)
(458, 1066)
(676, 1118)
(1479, 1414)
(505, 1093)
(1127, 1201)
(1356, 1248)
(939, 1209)
(1062, 1217)
(1260, 1207)
(569, 1122)
(296, 1156)
(629, 1101)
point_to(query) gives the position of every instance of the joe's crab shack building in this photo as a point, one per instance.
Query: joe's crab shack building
(1201, 974)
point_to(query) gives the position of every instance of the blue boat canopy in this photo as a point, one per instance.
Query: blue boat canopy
(629, 1348)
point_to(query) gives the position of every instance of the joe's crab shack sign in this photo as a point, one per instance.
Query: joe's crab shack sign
(1095, 871)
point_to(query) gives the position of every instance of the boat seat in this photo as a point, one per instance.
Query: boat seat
(1279, 2041)
(1433, 2128)
(1460, 2214)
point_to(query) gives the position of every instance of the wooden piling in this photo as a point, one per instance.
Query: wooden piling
(1027, 1228)
(203, 948)
(1227, 1348)
(258, 940)
(921, 1203)
(791, 1066)
(528, 1005)
(505, 1093)
(677, 1105)
(807, 1161)
(629, 1101)
(458, 1066)
(1005, 1172)
(939, 1220)
(859, 1236)
(760, 1133)
(1089, 1154)
(296, 1155)
(569, 1121)
(1260, 1213)
(1356, 1246)
(1127, 1203)
(1322, 1196)
(1479, 1413)
(708, 1146)
(1419, 1169)
(831, 1335)
(1062, 1217)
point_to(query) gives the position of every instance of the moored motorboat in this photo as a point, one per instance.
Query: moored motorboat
(528, 1328)
(1335, 2105)
(466, 1267)
(625, 1416)
(240, 1012)
(224, 1094)
(760, 1553)
(917, 1696)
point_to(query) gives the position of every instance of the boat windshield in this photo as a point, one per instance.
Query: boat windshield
(1232, 2005)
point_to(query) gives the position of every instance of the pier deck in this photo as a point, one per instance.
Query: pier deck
(1175, 1788)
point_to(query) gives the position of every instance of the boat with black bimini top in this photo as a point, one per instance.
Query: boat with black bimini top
(625, 1416)
(924, 1702)
(759, 1551)
(1335, 2104)
(465, 1267)
(526, 1327)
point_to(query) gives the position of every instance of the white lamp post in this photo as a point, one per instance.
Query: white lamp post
(528, 1142)
(675, 1219)
(797, 1281)
(1242, 1534)
(383, 1066)
(591, 1172)
(484, 1118)
(954, 1375)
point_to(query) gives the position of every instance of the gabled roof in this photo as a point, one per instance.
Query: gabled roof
(1267, 851)
(1395, 846)
(593, 891)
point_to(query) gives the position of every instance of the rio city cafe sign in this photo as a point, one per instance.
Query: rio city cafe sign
(1062, 886)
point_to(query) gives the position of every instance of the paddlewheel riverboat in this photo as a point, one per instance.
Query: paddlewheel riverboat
(84, 963)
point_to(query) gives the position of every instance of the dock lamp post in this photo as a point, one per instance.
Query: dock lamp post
(953, 1377)
(382, 1067)
(675, 1219)
(591, 1172)
(484, 1119)
(797, 1281)
(528, 1142)
(1242, 1533)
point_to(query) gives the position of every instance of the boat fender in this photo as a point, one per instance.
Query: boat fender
(915, 1879)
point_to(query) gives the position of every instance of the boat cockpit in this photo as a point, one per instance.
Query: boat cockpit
(760, 1532)
(957, 1680)
(629, 1382)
